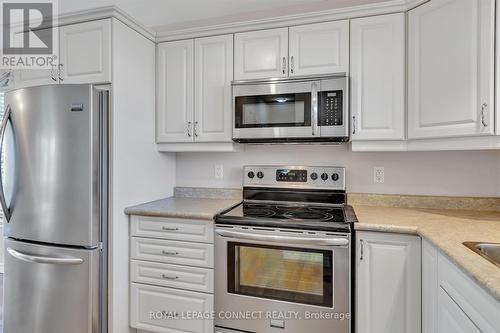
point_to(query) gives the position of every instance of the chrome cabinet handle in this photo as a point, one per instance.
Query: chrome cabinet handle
(353, 124)
(337, 241)
(189, 128)
(483, 117)
(292, 66)
(52, 70)
(169, 277)
(196, 128)
(170, 253)
(44, 259)
(284, 65)
(3, 202)
(361, 249)
(169, 229)
(60, 72)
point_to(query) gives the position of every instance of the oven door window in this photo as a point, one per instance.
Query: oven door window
(281, 110)
(282, 273)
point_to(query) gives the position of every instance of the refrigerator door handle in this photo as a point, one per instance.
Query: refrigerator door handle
(3, 127)
(44, 259)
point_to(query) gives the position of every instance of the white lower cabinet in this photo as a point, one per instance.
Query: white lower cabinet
(451, 300)
(172, 281)
(388, 283)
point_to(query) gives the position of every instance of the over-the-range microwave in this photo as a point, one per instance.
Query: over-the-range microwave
(302, 110)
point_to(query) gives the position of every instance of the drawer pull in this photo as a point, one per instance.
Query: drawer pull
(169, 229)
(169, 253)
(169, 277)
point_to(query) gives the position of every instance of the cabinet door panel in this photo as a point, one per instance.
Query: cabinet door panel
(261, 54)
(317, 49)
(378, 77)
(451, 69)
(213, 75)
(451, 318)
(174, 113)
(85, 52)
(388, 283)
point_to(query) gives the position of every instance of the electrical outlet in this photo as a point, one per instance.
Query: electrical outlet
(378, 175)
(219, 171)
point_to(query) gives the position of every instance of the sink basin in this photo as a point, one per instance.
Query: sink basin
(489, 251)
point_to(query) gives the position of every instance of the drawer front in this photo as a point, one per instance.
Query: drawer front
(173, 252)
(172, 228)
(165, 310)
(175, 276)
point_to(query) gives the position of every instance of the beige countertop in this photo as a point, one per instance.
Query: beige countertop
(446, 229)
(195, 208)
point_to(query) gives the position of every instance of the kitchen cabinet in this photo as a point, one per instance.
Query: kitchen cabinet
(84, 57)
(171, 274)
(451, 69)
(175, 86)
(312, 49)
(213, 72)
(388, 283)
(451, 300)
(261, 54)
(317, 49)
(194, 90)
(378, 77)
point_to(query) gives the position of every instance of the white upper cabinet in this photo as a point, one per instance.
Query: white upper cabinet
(317, 49)
(261, 54)
(213, 70)
(451, 70)
(378, 77)
(85, 52)
(388, 283)
(174, 114)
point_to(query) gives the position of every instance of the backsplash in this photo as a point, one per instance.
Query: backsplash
(461, 173)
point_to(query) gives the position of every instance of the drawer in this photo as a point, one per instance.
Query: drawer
(173, 228)
(172, 252)
(175, 276)
(165, 310)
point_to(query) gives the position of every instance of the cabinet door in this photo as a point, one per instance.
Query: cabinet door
(85, 52)
(388, 283)
(213, 74)
(174, 107)
(378, 77)
(450, 67)
(261, 54)
(319, 48)
(451, 318)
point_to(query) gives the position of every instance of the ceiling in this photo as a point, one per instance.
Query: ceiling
(171, 14)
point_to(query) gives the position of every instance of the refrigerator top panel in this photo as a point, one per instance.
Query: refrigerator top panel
(54, 165)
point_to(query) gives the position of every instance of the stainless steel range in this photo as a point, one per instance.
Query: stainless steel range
(283, 256)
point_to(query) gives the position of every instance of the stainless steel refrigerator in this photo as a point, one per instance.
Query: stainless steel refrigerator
(54, 194)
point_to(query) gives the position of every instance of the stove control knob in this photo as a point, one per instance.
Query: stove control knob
(324, 176)
(260, 175)
(314, 176)
(335, 177)
(251, 174)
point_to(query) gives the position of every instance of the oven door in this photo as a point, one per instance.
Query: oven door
(285, 280)
(275, 110)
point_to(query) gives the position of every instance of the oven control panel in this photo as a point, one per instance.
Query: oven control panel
(295, 176)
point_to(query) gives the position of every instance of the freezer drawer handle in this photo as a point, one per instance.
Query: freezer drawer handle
(44, 259)
(169, 253)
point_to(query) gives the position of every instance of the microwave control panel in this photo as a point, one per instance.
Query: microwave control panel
(330, 108)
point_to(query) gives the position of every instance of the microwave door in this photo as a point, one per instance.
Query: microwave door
(273, 111)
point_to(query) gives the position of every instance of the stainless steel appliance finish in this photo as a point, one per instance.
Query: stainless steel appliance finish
(291, 111)
(54, 194)
(283, 256)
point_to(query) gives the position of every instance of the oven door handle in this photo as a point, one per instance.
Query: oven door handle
(323, 241)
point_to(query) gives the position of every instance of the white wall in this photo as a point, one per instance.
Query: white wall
(428, 173)
(139, 172)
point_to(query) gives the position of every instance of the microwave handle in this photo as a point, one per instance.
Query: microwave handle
(314, 108)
